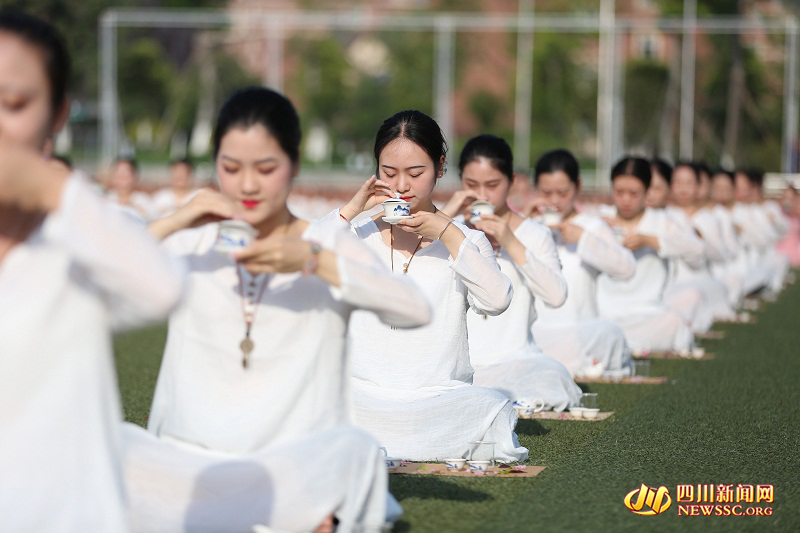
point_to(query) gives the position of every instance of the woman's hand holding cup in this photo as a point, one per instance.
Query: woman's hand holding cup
(371, 193)
(459, 203)
(206, 206)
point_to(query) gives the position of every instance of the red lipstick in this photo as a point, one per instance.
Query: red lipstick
(250, 204)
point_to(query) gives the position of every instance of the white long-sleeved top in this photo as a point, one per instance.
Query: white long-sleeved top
(85, 271)
(597, 251)
(409, 385)
(297, 381)
(508, 336)
(619, 298)
(407, 365)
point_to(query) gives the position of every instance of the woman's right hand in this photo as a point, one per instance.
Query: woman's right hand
(206, 206)
(459, 202)
(535, 207)
(370, 194)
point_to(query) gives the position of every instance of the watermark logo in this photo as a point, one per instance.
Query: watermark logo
(704, 499)
(648, 501)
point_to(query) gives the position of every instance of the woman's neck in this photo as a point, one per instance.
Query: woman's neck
(425, 205)
(632, 221)
(280, 222)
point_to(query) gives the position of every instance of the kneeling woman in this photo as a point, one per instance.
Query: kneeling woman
(502, 348)
(249, 423)
(636, 304)
(413, 389)
(574, 334)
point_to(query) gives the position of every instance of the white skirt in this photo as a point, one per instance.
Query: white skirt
(441, 426)
(533, 377)
(589, 348)
(177, 487)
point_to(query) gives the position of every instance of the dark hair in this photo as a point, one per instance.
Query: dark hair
(261, 106)
(727, 173)
(418, 128)
(558, 160)
(663, 169)
(130, 161)
(49, 41)
(491, 147)
(701, 168)
(637, 167)
(689, 165)
(182, 161)
(756, 176)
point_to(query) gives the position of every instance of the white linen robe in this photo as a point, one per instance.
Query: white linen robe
(85, 270)
(413, 389)
(502, 350)
(636, 304)
(686, 277)
(289, 407)
(573, 333)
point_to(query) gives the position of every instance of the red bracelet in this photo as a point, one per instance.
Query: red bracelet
(343, 218)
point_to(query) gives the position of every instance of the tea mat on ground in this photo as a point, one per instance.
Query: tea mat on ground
(553, 415)
(673, 355)
(439, 469)
(635, 380)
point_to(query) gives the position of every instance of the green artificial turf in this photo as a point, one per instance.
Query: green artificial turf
(733, 419)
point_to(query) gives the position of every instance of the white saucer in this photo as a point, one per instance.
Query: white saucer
(395, 220)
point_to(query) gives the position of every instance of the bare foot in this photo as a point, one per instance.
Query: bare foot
(326, 526)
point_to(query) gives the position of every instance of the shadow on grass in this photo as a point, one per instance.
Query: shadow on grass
(531, 427)
(429, 487)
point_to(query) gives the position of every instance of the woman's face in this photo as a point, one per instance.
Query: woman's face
(488, 183)
(722, 189)
(26, 114)
(409, 171)
(658, 193)
(123, 177)
(743, 189)
(254, 172)
(629, 196)
(558, 190)
(684, 186)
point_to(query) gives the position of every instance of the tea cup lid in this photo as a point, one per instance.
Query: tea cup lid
(239, 224)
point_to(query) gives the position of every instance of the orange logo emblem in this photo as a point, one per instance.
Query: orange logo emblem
(648, 501)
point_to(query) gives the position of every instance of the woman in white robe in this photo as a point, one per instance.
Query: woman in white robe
(574, 333)
(694, 217)
(501, 348)
(413, 389)
(123, 193)
(738, 268)
(72, 269)
(253, 384)
(180, 190)
(760, 230)
(636, 304)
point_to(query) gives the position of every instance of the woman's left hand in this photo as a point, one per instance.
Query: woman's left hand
(429, 225)
(278, 255)
(496, 229)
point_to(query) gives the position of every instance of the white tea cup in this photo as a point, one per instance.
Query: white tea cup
(551, 217)
(590, 413)
(234, 235)
(396, 208)
(479, 466)
(455, 464)
(527, 407)
(478, 208)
